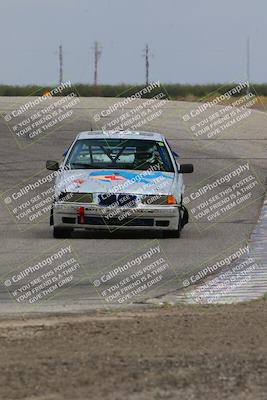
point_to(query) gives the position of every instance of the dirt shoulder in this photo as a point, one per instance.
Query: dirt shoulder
(185, 352)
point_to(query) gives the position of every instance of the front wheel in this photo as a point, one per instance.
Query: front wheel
(61, 233)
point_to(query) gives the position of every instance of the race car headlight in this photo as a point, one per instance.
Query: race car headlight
(156, 199)
(172, 199)
(62, 196)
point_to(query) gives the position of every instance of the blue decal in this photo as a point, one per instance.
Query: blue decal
(115, 175)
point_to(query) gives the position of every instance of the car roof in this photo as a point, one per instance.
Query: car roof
(120, 135)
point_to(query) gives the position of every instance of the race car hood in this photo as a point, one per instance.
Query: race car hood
(115, 181)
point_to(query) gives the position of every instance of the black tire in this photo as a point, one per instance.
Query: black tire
(51, 216)
(61, 233)
(185, 216)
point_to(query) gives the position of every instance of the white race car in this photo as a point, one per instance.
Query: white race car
(119, 180)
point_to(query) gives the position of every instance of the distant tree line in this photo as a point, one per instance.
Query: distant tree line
(173, 91)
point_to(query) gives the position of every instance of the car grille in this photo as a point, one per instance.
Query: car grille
(126, 200)
(107, 199)
(113, 200)
(118, 222)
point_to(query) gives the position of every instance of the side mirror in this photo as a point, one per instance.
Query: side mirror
(186, 169)
(176, 155)
(65, 153)
(52, 165)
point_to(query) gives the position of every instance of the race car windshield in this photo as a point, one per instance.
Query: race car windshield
(120, 154)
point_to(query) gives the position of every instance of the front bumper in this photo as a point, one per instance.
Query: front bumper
(156, 217)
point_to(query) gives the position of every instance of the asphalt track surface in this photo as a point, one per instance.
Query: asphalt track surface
(99, 252)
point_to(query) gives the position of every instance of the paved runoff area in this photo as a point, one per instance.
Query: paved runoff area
(245, 278)
(92, 270)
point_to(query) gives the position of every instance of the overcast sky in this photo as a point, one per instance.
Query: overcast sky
(193, 41)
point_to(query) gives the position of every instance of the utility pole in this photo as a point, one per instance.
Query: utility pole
(97, 54)
(147, 63)
(248, 64)
(60, 64)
